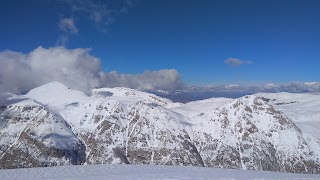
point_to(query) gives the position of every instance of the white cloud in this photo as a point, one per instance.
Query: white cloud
(313, 85)
(232, 86)
(14, 72)
(293, 87)
(165, 79)
(270, 86)
(75, 68)
(236, 62)
(301, 87)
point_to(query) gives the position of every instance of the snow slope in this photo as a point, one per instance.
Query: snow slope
(145, 172)
(195, 108)
(126, 94)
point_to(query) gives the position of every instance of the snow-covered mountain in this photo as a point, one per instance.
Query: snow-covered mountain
(301, 108)
(33, 135)
(55, 125)
(249, 133)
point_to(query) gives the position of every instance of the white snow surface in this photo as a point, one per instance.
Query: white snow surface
(195, 108)
(126, 94)
(56, 94)
(145, 172)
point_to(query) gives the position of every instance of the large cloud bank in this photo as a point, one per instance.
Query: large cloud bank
(75, 68)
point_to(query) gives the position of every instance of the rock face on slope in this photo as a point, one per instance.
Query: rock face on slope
(248, 133)
(54, 125)
(31, 135)
(140, 133)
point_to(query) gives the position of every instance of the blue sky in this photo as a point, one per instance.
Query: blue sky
(281, 39)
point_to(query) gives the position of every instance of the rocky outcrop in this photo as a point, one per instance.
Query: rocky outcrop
(28, 138)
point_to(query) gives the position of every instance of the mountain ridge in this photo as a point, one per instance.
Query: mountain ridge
(122, 126)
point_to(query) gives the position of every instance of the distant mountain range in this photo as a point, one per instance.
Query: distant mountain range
(188, 95)
(194, 93)
(55, 125)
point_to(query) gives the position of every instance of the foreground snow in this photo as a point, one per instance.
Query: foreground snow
(143, 172)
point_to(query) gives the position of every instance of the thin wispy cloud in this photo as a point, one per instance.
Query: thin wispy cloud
(67, 28)
(236, 62)
(67, 25)
(126, 5)
(100, 13)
